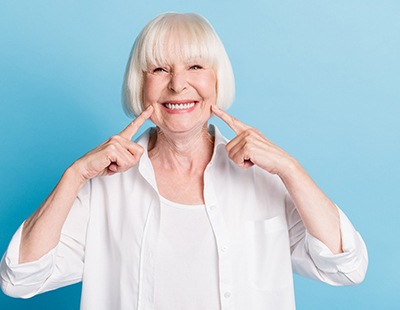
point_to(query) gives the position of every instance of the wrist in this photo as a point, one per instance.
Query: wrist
(74, 175)
(290, 169)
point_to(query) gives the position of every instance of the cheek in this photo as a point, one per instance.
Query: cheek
(150, 90)
(156, 117)
(209, 87)
(212, 94)
(207, 90)
(146, 95)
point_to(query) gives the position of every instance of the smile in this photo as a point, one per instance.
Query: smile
(179, 106)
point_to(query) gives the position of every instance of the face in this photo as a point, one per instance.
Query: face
(181, 93)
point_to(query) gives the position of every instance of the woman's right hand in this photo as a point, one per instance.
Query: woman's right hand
(42, 230)
(117, 154)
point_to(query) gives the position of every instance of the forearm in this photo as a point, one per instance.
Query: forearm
(42, 230)
(318, 213)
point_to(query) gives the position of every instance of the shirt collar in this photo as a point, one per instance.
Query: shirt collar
(145, 167)
(219, 138)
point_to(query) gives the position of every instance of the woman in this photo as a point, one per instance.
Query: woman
(182, 218)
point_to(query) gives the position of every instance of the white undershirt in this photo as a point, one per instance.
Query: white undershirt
(186, 276)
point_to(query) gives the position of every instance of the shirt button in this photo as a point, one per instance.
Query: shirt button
(212, 208)
(227, 294)
(224, 248)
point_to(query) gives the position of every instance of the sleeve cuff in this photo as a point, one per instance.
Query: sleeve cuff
(31, 273)
(354, 250)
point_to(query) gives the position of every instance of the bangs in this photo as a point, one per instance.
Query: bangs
(177, 38)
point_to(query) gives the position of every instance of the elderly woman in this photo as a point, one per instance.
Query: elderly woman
(182, 218)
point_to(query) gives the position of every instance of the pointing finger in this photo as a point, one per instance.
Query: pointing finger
(134, 126)
(237, 126)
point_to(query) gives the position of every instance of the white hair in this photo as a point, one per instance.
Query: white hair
(193, 37)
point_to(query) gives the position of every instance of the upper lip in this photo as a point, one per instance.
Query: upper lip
(180, 101)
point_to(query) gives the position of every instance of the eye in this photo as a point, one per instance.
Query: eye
(196, 67)
(159, 69)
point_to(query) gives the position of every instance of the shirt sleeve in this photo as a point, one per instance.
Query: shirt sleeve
(313, 259)
(61, 266)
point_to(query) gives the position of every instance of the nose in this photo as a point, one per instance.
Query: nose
(178, 82)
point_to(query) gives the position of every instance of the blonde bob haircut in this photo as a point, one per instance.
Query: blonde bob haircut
(188, 35)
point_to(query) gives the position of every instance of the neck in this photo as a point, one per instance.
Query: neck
(182, 151)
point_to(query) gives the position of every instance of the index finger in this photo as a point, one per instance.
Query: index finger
(237, 126)
(134, 126)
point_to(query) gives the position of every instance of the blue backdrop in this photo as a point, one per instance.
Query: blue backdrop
(319, 78)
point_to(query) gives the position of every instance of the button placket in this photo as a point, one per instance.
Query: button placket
(221, 233)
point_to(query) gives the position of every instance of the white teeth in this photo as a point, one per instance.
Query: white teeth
(184, 106)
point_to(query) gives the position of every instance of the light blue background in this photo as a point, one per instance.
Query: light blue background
(319, 78)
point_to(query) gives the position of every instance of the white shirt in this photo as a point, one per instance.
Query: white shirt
(110, 238)
(186, 276)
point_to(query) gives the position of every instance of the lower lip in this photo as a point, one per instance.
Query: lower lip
(180, 111)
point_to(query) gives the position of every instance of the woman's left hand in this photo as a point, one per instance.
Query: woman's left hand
(319, 214)
(250, 147)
